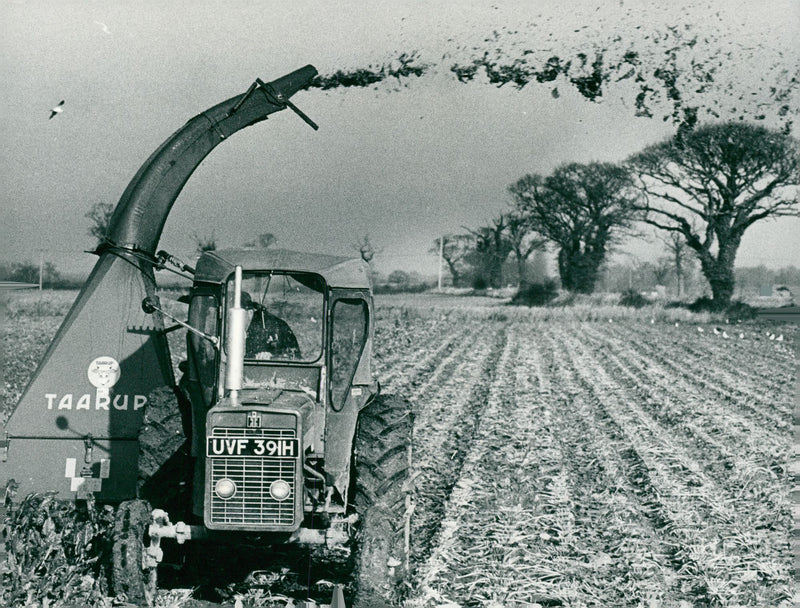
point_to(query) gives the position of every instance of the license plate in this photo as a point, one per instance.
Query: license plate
(255, 447)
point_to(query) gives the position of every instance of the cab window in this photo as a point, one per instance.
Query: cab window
(348, 335)
(204, 315)
(284, 315)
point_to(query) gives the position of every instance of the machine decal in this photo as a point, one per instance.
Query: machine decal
(254, 420)
(90, 478)
(103, 372)
(102, 401)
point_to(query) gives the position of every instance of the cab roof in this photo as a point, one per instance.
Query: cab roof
(216, 266)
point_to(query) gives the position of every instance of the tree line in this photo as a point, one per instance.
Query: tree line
(701, 189)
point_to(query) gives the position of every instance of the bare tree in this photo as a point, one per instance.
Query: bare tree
(100, 217)
(524, 241)
(366, 249)
(581, 208)
(203, 244)
(455, 250)
(661, 269)
(711, 184)
(492, 247)
(676, 246)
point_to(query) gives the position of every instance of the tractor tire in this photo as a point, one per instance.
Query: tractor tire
(380, 495)
(128, 574)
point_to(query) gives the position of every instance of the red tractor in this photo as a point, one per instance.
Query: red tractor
(288, 440)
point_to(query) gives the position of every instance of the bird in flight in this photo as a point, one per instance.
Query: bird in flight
(57, 110)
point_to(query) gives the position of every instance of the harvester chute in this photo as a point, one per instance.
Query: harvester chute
(76, 425)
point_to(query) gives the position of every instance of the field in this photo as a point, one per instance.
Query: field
(590, 456)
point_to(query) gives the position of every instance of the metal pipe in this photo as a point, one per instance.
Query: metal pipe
(235, 343)
(141, 213)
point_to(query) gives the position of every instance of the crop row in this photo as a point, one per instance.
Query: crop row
(559, 461)
(604, 469)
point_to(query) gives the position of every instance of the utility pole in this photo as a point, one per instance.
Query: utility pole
(441, 258)
(41, 268)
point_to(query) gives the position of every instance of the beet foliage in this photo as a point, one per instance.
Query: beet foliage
(54, 552)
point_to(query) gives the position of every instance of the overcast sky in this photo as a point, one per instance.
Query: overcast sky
(401, 162)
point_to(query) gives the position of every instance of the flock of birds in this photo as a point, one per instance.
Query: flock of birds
(718, 331)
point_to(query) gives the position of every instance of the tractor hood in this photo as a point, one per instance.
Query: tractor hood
(289, 399)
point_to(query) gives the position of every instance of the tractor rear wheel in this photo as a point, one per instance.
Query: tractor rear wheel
(129, 576)
(382, 463)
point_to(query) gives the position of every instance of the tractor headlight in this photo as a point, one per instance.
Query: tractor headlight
(279, 489)
(225, 488)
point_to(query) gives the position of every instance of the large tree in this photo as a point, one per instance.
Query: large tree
(492, 246)
(581, 208)
(524, 242)
(454, 252)
(711, 184)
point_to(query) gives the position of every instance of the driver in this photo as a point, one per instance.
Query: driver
(268, 336)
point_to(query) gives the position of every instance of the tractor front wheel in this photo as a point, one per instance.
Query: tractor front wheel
(382, 459)
(129, 576)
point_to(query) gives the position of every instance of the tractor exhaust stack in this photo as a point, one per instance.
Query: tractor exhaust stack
(234, 344)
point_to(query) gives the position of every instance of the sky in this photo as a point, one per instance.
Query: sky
(402, 162)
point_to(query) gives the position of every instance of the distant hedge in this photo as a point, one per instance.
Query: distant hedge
(633, 299)
(389, 288)
(536, 294)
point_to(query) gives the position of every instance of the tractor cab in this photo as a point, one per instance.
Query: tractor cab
(276, 373)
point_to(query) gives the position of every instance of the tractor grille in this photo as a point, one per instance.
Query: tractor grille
(252, 504)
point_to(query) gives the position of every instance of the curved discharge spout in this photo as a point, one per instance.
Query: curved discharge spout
(142, 211)
(75, 429)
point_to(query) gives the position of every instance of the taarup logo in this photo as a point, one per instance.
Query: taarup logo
(254, 420)
(103, 372)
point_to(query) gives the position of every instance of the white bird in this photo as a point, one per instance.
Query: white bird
(700, 329)
(716, 331)
(652, 321)
(779, 338)
(725, 334)
(741, 336)
(772, 336)
(103, 27)
(676, 324)
(57, 110)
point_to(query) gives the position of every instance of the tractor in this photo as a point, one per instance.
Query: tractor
(288, 440)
